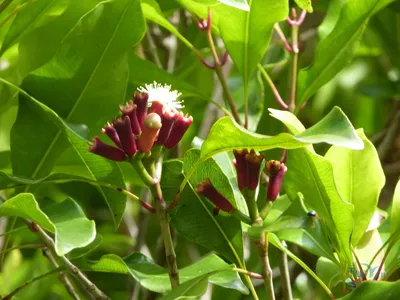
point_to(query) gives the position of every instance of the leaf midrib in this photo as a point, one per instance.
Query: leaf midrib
(38, 168)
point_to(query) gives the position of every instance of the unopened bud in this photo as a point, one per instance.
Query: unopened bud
(241, 167)
(209, 191)
(130, 110)
(253, 169)
(141, 99)
(112, 134)
(152, 125)
(277, 171)
(106, 151)
(179, 128)
(124, 130)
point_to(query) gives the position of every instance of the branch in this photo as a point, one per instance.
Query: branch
(90, 286)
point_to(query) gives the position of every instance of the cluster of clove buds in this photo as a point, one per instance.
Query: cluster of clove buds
(139, 128)
(247, 164)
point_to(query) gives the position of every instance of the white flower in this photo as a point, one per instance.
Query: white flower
(163, 94)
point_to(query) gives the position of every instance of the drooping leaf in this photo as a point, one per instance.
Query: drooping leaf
(312, 175)
(359, 179)
(193, 217)
(155, 278)
(66, 220)
(375, 290)
(334, 51)
(33, 15)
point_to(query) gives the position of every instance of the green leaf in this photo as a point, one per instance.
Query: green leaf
(33, 15)
(198, 212)
(66, 220)
(395, 214)
(155, 278)
(312, 175)
(305, 4)
(334, 52)
(79, 74)
(239, 4)
(375, 290)
(290, 120)
(335, 129)
(98, 168)
(226, 135)
(359, 179)
(283, 223)
(329, 272)
(81, 252)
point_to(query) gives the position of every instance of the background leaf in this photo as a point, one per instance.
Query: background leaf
(395, 214)
(66, 220)
(372, 290)
(334, 51)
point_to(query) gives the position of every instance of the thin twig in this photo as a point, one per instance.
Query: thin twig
(90, 286)
(285, 275)
(12, 294)
(282, 37)
(273, 87)
(248, 273)
(61, 276)
(27, 246)
(262, 245)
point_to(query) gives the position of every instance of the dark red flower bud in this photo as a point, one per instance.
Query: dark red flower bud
(157, 107)
(253, 169)
(178, 129)
(167, 120)
(124, 130)
(240, 164)
(152, 125)
(208, 190)
(112, 134)
(130, 110)
(277, 171)
(106, 151)
(34, 227)
(141, 100)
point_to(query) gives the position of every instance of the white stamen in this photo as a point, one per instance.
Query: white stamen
(164, 94)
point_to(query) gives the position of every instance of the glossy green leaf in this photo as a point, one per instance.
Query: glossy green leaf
(96, 51)
(395, 214)
(314, 240)
(334, 52)
(239, 4)
(97, 168)
(66, 220)
(81, 252)
(375, 290)
(290, 120)
(155, 278)
(305, 4)
(335, 129)
(33, 15)
(359, 179)
(312, 175)
(193, 217)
